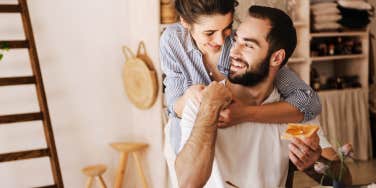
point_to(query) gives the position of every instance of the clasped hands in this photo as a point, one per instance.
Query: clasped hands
(302, 152)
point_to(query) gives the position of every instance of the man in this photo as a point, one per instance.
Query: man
(247, 154)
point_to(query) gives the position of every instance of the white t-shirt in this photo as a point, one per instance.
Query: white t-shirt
(247, 155)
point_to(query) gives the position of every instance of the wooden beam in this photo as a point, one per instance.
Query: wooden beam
(14, 44)
(9, 8)
(22, 155)
(17, 80)
(13, 118)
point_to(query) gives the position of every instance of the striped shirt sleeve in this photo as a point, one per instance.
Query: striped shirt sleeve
(296, 92)
(174, 80)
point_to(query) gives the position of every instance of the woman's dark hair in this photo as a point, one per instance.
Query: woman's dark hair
(282, 34)
(190, 10)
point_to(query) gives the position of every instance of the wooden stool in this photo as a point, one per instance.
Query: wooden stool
(92, 172)
(125, 148)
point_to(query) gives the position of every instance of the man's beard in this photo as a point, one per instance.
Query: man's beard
(253, 77)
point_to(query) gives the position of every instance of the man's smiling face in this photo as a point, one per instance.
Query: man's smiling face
(249, 57)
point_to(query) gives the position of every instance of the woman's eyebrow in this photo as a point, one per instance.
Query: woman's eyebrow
(228, 26)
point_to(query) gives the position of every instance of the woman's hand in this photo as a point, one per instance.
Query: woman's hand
(193, 92)
(234, 114)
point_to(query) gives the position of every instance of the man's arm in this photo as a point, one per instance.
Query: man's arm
(193, 164)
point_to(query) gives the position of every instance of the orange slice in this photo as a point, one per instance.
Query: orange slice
(299, 131)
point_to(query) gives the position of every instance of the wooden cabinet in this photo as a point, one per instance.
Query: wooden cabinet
(303, 61)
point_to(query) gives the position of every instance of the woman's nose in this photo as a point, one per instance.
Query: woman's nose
(220, 39)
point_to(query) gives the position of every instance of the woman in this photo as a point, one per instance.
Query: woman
(196, 52)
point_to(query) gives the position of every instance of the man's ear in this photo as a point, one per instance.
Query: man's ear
(184, 23)
(277, 58)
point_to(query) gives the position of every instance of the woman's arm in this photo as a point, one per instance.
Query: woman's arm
(174, 80)
(297, 93)
(300, 103)
(278, 112)
(176, 91)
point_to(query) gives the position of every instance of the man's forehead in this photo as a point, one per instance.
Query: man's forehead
(254, 27)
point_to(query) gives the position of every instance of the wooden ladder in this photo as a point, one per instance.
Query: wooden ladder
(35, 79)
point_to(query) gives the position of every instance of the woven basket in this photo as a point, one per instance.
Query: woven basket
(139, 78)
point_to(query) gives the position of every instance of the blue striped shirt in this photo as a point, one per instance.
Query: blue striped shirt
(182, 63)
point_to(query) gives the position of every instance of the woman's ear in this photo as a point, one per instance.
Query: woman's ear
(277, 57)
(184, 23)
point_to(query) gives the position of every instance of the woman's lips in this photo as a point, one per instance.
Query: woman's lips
(216, 47)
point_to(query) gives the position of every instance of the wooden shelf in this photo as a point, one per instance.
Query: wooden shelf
(340, 90)
(300, 24)
(296, 60)
(339, 34)
(337, 57)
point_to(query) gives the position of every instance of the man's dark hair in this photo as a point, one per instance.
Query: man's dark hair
(282, 34)
(190, 10)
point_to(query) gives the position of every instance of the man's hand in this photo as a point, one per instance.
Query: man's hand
(234, 114)
(216, 95)
(305, 152)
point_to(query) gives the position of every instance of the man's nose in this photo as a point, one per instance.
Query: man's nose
(235, 49)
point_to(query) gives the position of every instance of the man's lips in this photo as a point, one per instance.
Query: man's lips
(237, 65)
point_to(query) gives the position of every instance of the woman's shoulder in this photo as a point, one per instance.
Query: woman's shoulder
(174, 32)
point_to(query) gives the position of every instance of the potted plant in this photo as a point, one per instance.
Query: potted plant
(331, 170)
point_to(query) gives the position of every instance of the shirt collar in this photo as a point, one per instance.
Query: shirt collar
(190, 44)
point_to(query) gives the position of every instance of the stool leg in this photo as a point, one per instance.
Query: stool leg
(121, 170)
(139, 169)
(101, 181)
(89, 182)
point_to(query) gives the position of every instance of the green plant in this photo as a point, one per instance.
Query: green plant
(3, 47)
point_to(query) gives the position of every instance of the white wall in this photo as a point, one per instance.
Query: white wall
(79, 44)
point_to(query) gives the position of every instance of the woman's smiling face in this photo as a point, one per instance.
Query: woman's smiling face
(210, 31)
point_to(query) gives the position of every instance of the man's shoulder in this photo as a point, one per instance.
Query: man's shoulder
(274, 96)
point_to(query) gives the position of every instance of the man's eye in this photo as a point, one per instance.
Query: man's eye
(229, 27)
(209, 33)
(248, 45)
